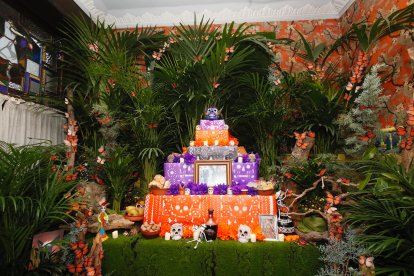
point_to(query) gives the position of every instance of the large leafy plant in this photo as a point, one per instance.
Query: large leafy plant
(384, 212)
(33, 198)
(118, 171)
(201, 67)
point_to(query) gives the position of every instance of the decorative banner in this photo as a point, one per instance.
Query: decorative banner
(228, 209)
(214, 152)
(213, 125)
(221, 136)
(181, 173)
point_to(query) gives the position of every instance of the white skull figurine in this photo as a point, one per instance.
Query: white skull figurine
(244, 233)
(176, 231)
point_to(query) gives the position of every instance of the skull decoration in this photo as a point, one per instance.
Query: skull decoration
(244, 233)
(212, 113)
(176, 231)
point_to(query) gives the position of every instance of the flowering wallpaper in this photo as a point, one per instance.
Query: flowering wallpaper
(391, 51)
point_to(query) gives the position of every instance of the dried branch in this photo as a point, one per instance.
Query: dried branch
(311, 211)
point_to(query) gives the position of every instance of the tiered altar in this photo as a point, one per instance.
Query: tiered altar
(213, 162)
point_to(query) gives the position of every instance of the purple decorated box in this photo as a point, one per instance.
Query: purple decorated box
(242, 173)
(179, 173)
(213, 124)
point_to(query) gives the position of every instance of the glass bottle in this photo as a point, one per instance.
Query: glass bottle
(211, 227)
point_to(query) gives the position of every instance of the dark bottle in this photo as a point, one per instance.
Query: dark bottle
(211, 227)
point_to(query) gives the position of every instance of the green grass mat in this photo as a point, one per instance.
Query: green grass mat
(138, 256)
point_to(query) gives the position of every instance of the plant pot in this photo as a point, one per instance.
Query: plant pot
(158, 191)
(150, 235)
(134, 218)
(244, 192)
(269, 192)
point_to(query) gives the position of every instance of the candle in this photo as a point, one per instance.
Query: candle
(205, 143)
(281, 237)
(181, 160)
(196, 234)
(216, 142)
(115, 234)
(240, 159)
(191, 143)
(229, 191)
(167, 236)
(231, 143)
(253, 237)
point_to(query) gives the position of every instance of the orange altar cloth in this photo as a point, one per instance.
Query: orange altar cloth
(192, 209)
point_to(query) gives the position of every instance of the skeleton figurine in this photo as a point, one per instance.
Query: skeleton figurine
(284, 221)
(201, 235)
(244, 233)
(212, 113)
(176, 231)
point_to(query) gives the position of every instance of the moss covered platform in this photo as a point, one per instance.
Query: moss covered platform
(138, 256)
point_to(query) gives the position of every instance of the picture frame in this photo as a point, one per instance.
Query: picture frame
(268, 224)
(213, 172)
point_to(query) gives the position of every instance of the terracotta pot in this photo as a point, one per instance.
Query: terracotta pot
(158, 191)
(265, 192)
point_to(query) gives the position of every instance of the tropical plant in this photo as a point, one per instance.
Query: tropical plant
(33, 198)
(384, 212)
(118, 171)
(104, 67)
(367, 34)
(201, 66)
(264, 116)
(320, 104)
(150, 132)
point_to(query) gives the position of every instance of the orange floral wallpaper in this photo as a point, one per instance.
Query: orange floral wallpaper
(391, 51)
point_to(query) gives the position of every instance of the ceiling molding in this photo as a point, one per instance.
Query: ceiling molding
(126, 17)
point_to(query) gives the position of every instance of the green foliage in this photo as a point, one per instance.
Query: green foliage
(367, 34)
(32, 200)
(159, 257)
(265, 117)
(363, 117)
(341, 256)
(198, 69)
(320, 105)
(118, 170)
(384, 211)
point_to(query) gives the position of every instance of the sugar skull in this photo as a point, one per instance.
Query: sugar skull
(212, 113)
(244, 233)
(176, 231)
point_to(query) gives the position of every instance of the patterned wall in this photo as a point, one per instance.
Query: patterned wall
(392, 51)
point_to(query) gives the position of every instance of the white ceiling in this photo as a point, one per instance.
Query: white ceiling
(129, 13)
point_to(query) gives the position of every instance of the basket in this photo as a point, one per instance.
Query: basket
(158, 191)
(150, 235)
(269, 192)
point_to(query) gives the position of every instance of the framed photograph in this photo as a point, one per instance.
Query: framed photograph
(212, 172)
(268, 224)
